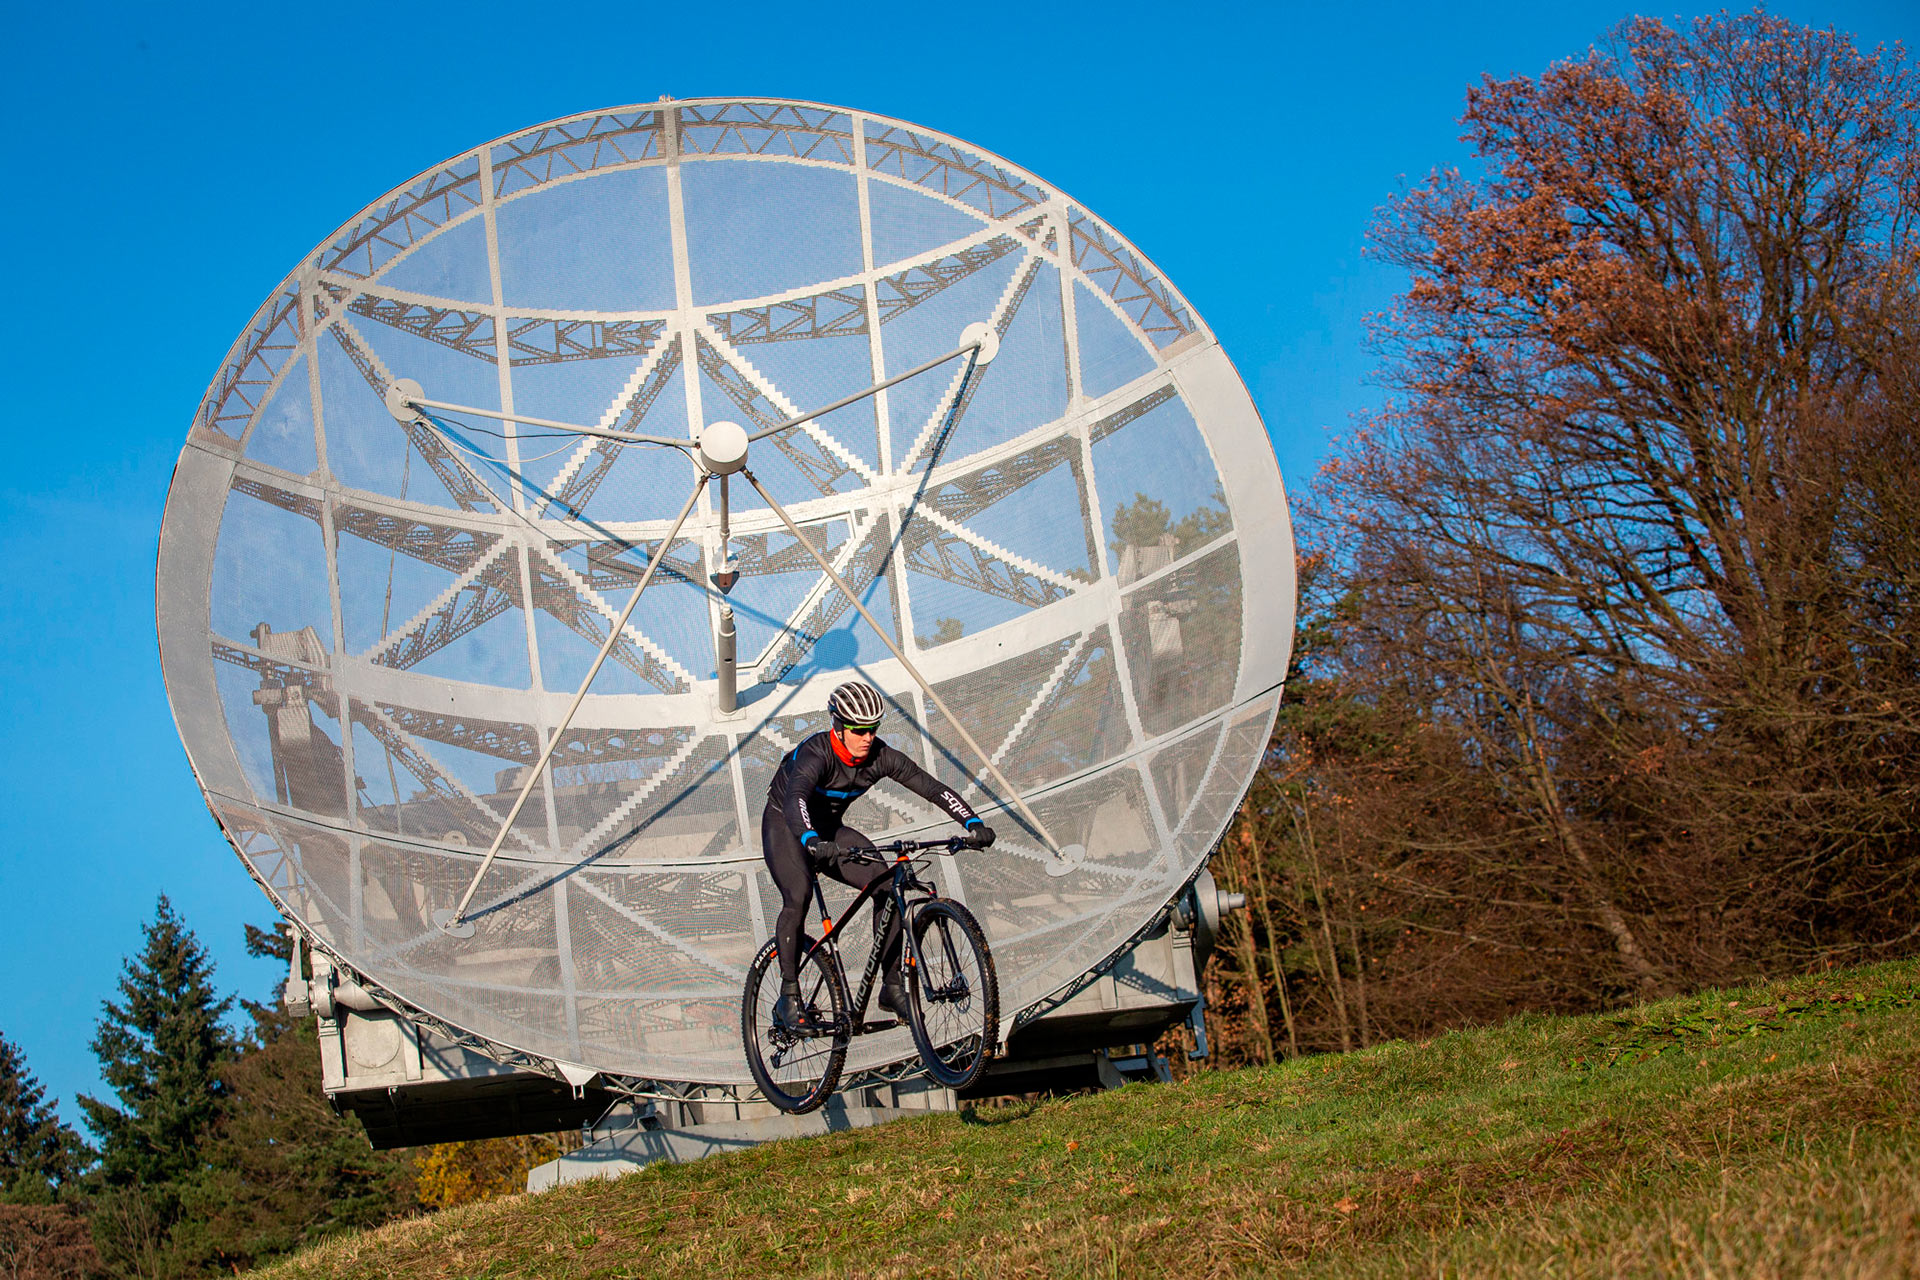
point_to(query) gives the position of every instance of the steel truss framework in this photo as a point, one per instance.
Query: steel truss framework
(1070, 652)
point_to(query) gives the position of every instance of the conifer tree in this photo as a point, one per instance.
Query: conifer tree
(37, 1152)
(283, 1169)
(161, 1049)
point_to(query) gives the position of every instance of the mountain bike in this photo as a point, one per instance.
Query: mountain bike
(953, 997)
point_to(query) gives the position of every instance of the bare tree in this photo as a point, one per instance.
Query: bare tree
(1630, 557)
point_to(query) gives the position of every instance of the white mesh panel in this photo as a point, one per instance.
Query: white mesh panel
(370, 630)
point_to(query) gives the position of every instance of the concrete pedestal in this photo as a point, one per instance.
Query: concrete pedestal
(644, 1139)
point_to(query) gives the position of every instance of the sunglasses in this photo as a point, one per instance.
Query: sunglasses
(861, 730)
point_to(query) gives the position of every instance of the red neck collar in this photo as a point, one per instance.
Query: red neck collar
(846, 756)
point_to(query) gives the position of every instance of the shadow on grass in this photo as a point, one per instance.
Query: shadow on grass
(998, 1111)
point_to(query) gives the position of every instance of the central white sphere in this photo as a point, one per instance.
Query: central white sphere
(723, 448)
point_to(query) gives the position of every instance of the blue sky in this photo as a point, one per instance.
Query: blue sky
(169, 164)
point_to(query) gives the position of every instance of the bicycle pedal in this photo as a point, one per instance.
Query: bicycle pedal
(868, 1028)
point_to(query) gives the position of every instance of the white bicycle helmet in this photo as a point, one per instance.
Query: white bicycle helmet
(856, 703)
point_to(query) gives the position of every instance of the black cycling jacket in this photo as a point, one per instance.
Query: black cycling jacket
(813, 786)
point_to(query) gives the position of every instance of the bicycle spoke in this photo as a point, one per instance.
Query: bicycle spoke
(953, 1002)
(795, 1067)
(955, 995)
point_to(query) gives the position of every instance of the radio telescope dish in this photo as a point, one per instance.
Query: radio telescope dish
(417, 500)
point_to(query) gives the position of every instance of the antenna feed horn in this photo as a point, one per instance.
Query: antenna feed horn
(723, 448)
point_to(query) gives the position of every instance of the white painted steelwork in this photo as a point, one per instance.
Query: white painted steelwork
(370, 624)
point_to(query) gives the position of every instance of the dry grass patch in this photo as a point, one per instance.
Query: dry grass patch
(1532, 1148)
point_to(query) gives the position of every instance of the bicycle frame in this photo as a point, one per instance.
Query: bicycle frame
(796, 1052)
(895, 885)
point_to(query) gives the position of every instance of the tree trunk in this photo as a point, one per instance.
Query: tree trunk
(1273, 939)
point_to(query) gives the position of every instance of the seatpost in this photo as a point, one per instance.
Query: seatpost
(820, 900)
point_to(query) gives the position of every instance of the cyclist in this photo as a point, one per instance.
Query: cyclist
(801, 834)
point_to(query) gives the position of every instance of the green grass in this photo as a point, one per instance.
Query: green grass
(1761, 1132)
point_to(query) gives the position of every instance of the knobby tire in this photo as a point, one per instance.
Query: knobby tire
(797, 1074)
(953, 994)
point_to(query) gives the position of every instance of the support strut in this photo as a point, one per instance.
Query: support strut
(553, 743)
(1012, 794)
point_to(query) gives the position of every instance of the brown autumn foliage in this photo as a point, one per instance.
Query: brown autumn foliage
(46, 1242)
(1607, 682)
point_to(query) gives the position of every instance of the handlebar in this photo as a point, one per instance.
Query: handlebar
(947, 844)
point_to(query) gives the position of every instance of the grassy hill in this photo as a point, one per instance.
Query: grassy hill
(1761, 1132)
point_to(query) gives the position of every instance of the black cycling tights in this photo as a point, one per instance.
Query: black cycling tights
(793, 873)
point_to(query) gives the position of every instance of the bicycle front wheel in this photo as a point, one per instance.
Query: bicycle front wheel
(796, 1067)
(953, 997)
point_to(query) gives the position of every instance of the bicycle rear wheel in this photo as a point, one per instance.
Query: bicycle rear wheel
(953, 996)
(796, 1070)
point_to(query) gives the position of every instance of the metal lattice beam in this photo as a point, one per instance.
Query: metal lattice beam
(423, 770)
(579, 482)
(963, 496)
(940, 166)
(468, 332)
(606, 571)
(839, 313)
(569, 147)
(448, 547)
(759, 129)
(516, 744)
(533, 342)
(1138, 409)
(268, 344)
(903, 290)
(503, 740)
(554, 594)
(408, 217)
(939, 554)
(529, 342)
(820, 467)
(461, 483)
(1138, 292)
(868, 562)
(479, 602)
